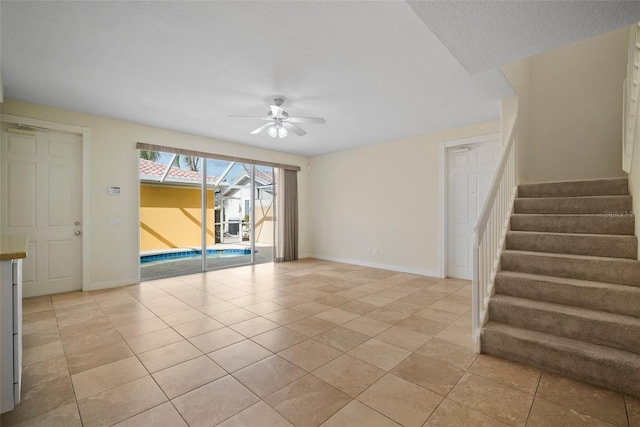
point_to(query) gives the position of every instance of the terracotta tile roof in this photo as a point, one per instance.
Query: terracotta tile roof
(265, 176)
(149, 169)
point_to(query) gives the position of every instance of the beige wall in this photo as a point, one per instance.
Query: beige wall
(634, 183)
(357, 195)
(571, 109)
(634, 188)
(114, 161)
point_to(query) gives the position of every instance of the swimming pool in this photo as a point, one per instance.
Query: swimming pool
(193, 254)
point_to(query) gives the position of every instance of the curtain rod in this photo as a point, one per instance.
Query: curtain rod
(186, 152)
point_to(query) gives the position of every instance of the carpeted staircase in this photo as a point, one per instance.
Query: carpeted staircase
(568, 294)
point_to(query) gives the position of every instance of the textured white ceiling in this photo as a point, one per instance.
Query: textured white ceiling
(487, 34)
(374, 70)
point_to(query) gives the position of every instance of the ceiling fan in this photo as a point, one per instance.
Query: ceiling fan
(280, 123)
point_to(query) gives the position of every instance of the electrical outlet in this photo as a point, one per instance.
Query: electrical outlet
(114, 265)
(374, 251)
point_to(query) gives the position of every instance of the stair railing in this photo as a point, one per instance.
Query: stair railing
(491, 230)
(631, 103)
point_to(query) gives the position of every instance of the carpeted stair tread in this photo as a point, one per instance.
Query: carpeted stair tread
(604, 366)
(605, 245)
(599, 269)
(597, 187)
(574, 223)
(609, 297)
(619, 204)
(567, 298)
(596, 327)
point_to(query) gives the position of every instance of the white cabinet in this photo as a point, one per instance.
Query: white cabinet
(10, 333)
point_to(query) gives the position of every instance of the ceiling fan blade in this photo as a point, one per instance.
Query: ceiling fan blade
(249, 117)
(276, 111)
(261, 128)
(318, 120)
(295, 129)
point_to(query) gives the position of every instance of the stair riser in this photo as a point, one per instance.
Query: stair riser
(602, 245)
(624, 272)
(625, 302)
(624, 336)
(607, 187)
(573, 205)
(623, 376)
(619, 225)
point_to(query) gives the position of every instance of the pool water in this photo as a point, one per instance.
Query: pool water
(192, 254)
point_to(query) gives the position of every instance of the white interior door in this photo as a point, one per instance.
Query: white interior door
(470, 170)
(42, 198)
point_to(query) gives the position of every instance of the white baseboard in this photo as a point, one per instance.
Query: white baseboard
(397, 268)
(107, 285)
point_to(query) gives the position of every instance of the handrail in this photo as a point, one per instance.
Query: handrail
(483, 217)
(631, 96)
(490, 230)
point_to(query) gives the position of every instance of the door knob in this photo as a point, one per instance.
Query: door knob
(77, 232)
(77, 223)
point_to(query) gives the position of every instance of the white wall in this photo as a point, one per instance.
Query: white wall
(570, 104)
(114, 161)
(356, 195)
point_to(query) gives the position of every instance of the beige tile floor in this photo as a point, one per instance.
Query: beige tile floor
(307, 343)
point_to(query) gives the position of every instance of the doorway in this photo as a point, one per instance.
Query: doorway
(199, 214)
(469, 168)
(243, 197)
(42, 199)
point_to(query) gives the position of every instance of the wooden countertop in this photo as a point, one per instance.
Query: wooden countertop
(13, 247)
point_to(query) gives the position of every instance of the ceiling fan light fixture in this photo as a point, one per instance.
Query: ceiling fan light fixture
(282, 131)
(277, 131)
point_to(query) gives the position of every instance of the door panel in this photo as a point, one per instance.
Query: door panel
(460, 188)
(461, 256)
(22, 199)
(482, 187)
(42, 199)
(60, 198)
(22, 144)
(469, 176)
(60, 260)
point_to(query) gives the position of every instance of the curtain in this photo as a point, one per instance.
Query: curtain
(287, 215)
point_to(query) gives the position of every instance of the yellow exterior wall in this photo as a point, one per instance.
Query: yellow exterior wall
(171, 217)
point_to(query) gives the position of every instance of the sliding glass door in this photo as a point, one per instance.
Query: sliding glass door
(264, 225)
(231, 216)
(199, 214)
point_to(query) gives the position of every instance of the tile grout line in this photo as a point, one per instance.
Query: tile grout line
(535, 395)
(307, 338)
